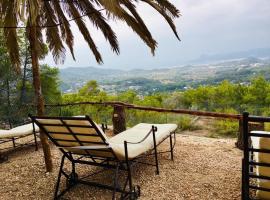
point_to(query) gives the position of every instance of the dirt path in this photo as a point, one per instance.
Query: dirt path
(204, 168)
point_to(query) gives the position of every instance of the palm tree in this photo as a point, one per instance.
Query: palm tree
(50, 19)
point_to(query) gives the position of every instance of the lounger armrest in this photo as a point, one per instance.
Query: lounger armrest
(153, 129)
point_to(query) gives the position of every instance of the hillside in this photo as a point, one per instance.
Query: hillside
(166, 79)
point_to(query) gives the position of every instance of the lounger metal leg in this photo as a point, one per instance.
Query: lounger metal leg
(171, 145)
(3, 157)
(128, 169)
(59, 177)
(36, 144)
(115, 180)
(73, 167)
(123, 195)
(155, 149)
(243, 182)
(13, 142)
(35, 136)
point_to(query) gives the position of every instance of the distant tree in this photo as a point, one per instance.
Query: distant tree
(223, 95)
(257, 96)
(129, 96)
(8, 79)
(50, 84)
(90, 89)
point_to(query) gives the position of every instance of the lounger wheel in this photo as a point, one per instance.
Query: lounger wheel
(136, 193)
(72, 179)
(3, 158)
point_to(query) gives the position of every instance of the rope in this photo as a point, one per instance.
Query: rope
(54, 25)
(142, 139)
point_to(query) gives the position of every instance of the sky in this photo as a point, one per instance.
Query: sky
(205, 27)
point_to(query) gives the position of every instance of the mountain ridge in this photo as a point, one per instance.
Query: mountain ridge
(115, 80)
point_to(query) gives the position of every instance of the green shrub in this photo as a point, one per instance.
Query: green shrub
(67, 112)
(226, 127)
(187, 123)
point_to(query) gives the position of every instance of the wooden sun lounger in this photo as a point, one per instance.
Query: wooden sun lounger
(83, 142)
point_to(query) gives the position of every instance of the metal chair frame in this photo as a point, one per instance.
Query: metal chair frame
(72, 179)
(248, 163)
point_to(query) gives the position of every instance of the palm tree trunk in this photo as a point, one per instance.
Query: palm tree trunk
(39, 97)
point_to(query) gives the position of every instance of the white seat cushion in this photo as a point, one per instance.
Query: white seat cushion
(136, 134)
(19, 131)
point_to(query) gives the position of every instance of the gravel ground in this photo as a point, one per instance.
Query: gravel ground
(204, 168)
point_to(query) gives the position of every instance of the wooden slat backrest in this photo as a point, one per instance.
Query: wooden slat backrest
(72, 132)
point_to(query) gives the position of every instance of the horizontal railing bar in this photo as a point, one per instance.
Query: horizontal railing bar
(263, 135)
(259, 150)
(259, 164)
(260, 177)
(252, 118)
(259, 188)
(155, 109)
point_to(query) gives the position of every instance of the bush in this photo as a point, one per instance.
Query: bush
(226, 127)
(187, 123)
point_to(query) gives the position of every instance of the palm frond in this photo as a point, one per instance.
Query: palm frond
(65, 27)
(34, 10)
(132, 8)
(11, 34)
(100, 22)
(52, 34)
(53, 17)
(169, 7)
(73, 12)
(114, 8)
(162, 11)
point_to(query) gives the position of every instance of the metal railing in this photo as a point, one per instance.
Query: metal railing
(249, 163)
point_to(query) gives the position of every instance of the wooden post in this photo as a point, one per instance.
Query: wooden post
(252, 126)
(240, 140)
(119, 119)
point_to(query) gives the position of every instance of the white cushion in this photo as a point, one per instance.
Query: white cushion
(136, 134)
(23, 130)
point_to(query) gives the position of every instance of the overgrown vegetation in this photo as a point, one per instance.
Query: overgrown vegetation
(16, 86)
(226, 97)
(225, 128)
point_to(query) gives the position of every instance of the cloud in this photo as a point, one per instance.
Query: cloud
(206, 26)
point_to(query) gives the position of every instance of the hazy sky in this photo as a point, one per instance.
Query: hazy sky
(205, 27)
